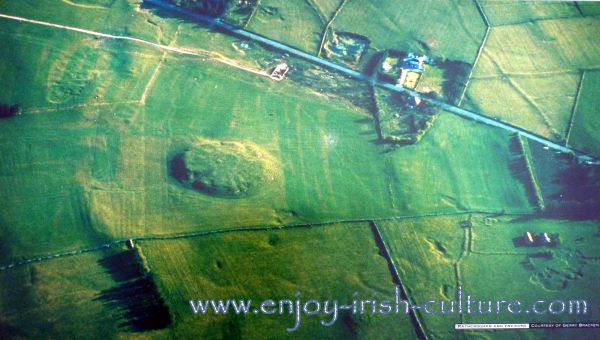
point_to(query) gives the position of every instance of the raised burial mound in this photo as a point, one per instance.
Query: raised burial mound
(229, 169)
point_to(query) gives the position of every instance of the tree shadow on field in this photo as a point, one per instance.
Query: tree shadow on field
(177, 168)
(184, 17)
(136, 296)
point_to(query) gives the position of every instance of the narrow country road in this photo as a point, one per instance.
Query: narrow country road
(204, 54)
(363, 77)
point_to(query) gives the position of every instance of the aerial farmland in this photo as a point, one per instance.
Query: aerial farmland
(269, 169)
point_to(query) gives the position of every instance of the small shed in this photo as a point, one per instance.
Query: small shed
(279, 71)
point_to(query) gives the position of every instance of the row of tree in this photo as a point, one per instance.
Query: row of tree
(214, 8)
(456, 73)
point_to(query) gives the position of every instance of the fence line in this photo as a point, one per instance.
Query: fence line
(488, 27)
(572, 118)
(326, 29)
(241, 229)
(419, 329)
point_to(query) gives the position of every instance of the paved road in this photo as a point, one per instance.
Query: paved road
(217, 23)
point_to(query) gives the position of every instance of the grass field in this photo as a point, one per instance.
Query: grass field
(449, 171)
(150, 23)
(52, 300)
(308, 140)
(326, 7)
(431, 80)
(589, 8)
(120, 17)
(549, 167)
(447, 29)
(274, 265)
(517, 12)
(295, 23)
(90, 161)
(533, 84)
(586, 121)
(68, 131)
(127, 144)
(569, 272)
(426, 252)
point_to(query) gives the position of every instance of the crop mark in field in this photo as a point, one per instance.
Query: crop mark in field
(522, 92)
(526, 74)
(74, 107)
(328, 142)
(462, 23)
(193, 52)
(314, 7)
(466, 249)
(392, 180)
(300, 147)
(69, 76)
(84, 5)
(150, 83)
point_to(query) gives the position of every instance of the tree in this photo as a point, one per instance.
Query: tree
(7, 111)
(579, 194)
(456, 74)
(213, 8)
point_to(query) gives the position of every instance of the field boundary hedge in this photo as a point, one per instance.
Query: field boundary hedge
(121, 242)
(528, 160)
(488, 28)
(385, 252)
(575, 104)
(328, 25)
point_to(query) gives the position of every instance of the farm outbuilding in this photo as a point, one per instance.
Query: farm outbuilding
(280, 71)
(530, 239)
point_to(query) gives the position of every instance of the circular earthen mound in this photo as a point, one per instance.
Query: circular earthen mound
(228, 169)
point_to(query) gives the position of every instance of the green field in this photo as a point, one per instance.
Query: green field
(589, 8)
(113, 181)
(503, 12)
(586, 121)
(569, 273)
(274, 265)
(530, 84)
(449, 172)
(326, 7)
(427, 251)
(295, 23)
(92, 161)
(424, 251)
(68, 133)
(120, 17)
(58, 299)
(446, 29)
